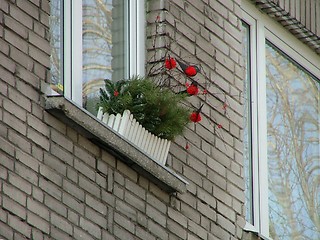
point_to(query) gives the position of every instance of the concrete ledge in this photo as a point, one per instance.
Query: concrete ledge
(95, 130)
(247, 235)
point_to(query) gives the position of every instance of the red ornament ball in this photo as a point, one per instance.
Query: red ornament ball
(192, 90)
(195, 117)
(187, 146)
(190, 71)
(170, 63)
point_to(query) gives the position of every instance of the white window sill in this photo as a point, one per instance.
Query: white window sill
(88, 125)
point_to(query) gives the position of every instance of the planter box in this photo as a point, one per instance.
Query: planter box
(156, 148)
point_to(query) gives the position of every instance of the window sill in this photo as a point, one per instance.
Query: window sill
(251, 233)
(105, 137)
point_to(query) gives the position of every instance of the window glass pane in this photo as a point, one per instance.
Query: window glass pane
(247, 126)
(56, 39)
(104, 46)
(293, 118)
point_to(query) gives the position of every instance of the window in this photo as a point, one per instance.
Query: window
(247, 136)
(93, 40)
(281, 131)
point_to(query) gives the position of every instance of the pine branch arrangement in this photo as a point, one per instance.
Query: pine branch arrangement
(158, 101)
(157, 109)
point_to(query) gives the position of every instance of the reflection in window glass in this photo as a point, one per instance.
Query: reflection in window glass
(247, 127)
(104, 46)
(293, 118)
(56, 38)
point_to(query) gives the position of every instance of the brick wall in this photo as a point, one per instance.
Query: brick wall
(57, 184)
(208, 33)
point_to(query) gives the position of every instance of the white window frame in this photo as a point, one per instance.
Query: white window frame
(263, 28)
(72, 53)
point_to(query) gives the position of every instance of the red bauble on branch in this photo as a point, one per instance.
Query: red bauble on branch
(187, 146)
(193, 89)
(195, 117)
(170, 63)
(189, 70)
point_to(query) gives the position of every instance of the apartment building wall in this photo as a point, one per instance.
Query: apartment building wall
(306, 12)
(301, 18)
(57, 184)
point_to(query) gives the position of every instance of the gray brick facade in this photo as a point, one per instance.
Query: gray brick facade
(57, 184)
